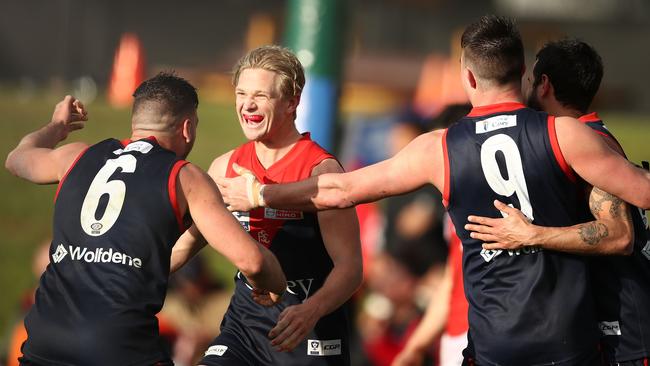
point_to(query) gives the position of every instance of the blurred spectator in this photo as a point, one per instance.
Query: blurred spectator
(445, 321)
(414, 220)
(389, 313)
(450, 115)
(40, 260)
(409, 259)
(193, 309)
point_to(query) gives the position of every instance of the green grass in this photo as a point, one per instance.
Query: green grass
(633, 132)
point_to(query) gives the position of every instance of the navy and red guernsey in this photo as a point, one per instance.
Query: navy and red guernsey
(295, 239)
(622, 287)
(528, 306)
(115, 222)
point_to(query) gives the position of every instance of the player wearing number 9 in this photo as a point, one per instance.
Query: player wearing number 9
(119, 209)
(529, 307)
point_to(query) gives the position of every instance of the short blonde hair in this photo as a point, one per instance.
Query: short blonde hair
(276, 59)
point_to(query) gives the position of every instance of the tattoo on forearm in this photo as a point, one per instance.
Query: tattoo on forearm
(598, 197)
(593, 232)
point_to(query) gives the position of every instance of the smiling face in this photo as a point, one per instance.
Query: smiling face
(261, 108)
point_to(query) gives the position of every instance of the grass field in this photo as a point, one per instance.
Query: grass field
(25, 217)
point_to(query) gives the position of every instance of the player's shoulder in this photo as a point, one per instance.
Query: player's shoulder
(220, 164)
(74, 148)
(309, 149)
(66, 156)
(567, 126)
(429, 140)
(328, 165)
(191, 177)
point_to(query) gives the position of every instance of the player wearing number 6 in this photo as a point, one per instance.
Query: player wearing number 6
(119, 209)
(526, 308)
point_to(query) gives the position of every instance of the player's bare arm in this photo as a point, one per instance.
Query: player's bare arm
(610, 234)
(224, 233)
(340, 231)
(419, 163)
(192, 241)
(592, 159)
(36, 159)
(186, 247)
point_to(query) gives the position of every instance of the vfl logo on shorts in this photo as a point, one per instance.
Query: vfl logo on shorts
(609, 328)
(217, 350)
(316, 347)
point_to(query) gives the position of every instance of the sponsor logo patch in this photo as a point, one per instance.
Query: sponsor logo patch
(217, 350)
(140, 146)
(646, 250)
(490, 254)
(317, 347)
(263, 237)
(273, 214)
(59, 254)
(98, 255)
(495, 123)
(244, 219)
(609, 328)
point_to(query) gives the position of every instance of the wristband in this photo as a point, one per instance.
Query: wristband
(254, 191)
(260, 195)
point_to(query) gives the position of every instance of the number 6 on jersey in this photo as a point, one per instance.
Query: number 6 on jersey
(115, 189)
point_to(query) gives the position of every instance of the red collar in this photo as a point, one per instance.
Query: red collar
(591, 117)
(495, 108)
(128, 141)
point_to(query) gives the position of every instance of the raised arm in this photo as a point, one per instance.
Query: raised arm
(340, 231)
(225, 234)
(35, 158)
(419, 163)
(592, 159)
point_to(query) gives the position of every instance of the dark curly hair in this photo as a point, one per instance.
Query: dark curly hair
(575, 70)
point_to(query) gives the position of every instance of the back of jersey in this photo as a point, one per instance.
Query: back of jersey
(527, 307)
(115, 222)
(621, 285)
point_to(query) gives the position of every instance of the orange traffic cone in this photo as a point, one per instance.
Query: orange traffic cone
(128, 71)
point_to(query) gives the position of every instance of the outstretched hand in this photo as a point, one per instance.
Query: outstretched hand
(265, 298)
(294, 324)
(514, 231)
(70, 113)
(241, 193)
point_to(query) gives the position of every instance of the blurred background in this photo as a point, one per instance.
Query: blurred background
(379, 72)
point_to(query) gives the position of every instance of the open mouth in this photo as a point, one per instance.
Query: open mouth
(253, 118)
